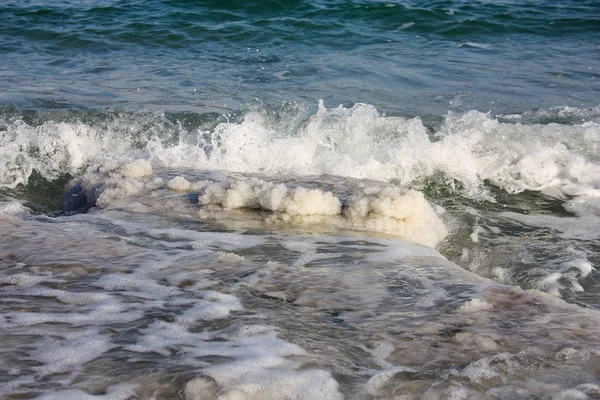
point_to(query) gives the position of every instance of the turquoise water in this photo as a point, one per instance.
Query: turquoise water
(299, 200)
(407, 57)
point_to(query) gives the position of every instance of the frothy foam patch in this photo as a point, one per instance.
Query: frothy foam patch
(132, 179)
(21, 281)
(246, 382)
(258, 367)
(146, 308)
(376, 383)
(505, 367)
(388, 210)
(136, 169)
(397, 212)
(179, 183)
(70, 353)
(78, 299)
(96, 315)
(135, 284)
(568, 276)
(525, 252)
(255, 193)
(378, 208)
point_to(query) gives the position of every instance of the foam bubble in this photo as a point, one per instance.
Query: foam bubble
(78, 299)
(397, 212)
(377, 208)
(230, 257)
(179, 183)
(200, 389)
(255, 193)
(93, 315)
(136, 169)
(268, 382)
(376, 382)
(259, 365)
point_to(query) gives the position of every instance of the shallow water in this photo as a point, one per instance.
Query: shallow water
(187, 213)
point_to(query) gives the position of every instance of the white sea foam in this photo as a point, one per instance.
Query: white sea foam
(78, 299)
(475, 45)
(377, 208)
(397, 212)
(21, 281)
(259, 194)
(358, 142)
(57, 148)
(569, 273)
(388, 209)
(258, 368)
(122, 391)
(70, 353)
(13, 208)
(214, 305)
(136, 169)
(179, 183)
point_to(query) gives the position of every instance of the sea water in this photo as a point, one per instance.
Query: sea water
(299, 200)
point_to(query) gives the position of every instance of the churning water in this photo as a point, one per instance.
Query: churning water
(299, 200)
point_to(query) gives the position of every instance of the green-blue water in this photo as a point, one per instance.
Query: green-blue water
(415, 57)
